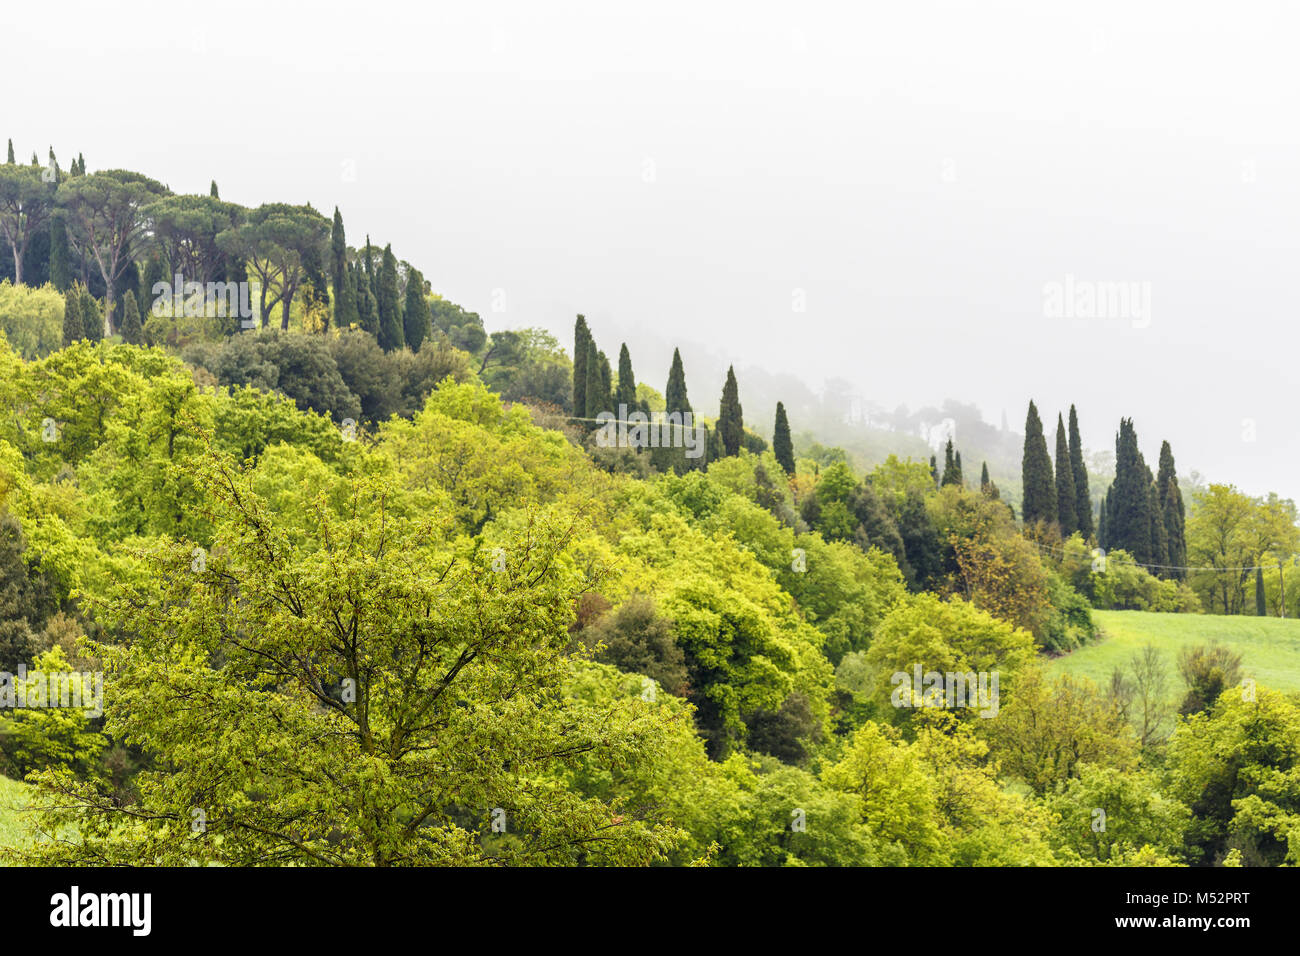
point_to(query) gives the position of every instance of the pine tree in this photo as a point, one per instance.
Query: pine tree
(731, 424)
(1082, 496)
(782, 446)
(73, 327)
(345, 292)
(417, 320)
(626, 397)
(1129, 521)
(390, 304)
(581, 346)
(1065, 496)
(1172, 512)
(132, 330)
(92, 319)
(1036, 471)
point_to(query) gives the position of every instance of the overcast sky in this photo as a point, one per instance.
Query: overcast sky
(912, 174)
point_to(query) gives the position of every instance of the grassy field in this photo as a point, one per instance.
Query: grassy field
(13, 794)
(1269, 647)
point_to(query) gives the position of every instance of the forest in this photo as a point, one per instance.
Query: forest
(300, 564)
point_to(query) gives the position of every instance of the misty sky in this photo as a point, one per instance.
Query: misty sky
(913, 173)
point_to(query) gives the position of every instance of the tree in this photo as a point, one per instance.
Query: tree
(625, 397)
(345, 291)
(132, 329)
(74, 326)
(951, 467)
(378, 660)
(26, 201)
(782, 446)
(581, 346)
(1129, 522)
(1172, 512)
(1036, 471)
(1066, 499)
(90, 317)
(675, 399)
(10, 160)
(277, 240)
(1079, 471)
(416, 319)
(185, 229)
(105, 213)
(731, 426)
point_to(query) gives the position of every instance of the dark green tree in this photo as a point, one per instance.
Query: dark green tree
(60, 255)
(1036, 472)
(10, 160)
(132, 330)
(1066, 499)
(1261, 606)
(782, 446)
(390, 304)
(1082, 496)
(213, 191)
(951, 467)
(581, 347)
(1172, 512)
(90, 317)
(74, 327)
(626, 395)
(731, 424)
(416, 319)
(1129, 524)
(345, 291)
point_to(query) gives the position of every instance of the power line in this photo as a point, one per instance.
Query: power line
(1162, 567)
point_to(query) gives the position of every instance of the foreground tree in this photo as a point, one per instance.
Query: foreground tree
(340, 682)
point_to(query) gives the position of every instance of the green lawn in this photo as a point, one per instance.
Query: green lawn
(1269, 647)
(13, 794)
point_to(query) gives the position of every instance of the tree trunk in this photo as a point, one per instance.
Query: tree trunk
(18, 266)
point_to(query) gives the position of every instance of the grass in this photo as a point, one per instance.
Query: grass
(13, 828)
(1269, 646)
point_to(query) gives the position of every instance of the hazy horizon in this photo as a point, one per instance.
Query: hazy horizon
(881, 196)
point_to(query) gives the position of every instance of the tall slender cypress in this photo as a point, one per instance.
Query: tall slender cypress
(626, 396)
(1065, 497)
(1039, 502)
(73, 327)
(132, 331)
(417, 321)
(731, 425)
(390, 305)
(345, 292)
(1129, 523)
(1172, 512)
(1079, 471)
(581, 346)
(782, 446)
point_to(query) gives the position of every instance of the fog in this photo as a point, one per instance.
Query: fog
(885, 193)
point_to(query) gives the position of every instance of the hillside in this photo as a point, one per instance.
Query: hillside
(1269, 647)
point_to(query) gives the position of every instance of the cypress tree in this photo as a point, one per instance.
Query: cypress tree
(417, 320)
(581, 346)
(367, 308)
(212, 191)
(626, 382)
(731, 424)
(73, 327)
(1172, 512)
(92, 319)
(606, 380)
(1103, 535)
(961, 476)
(595, 400)
(1079, 471)
(60, 255)
(390, 305)
(1159, 539)
(984, 478)
(675, 393)
(934, 471)
(782, 446)
(81, 165)
(10, 160)
(371, 279)
(1129, 522)
(1261, 606)
(1065, 496)
(132, 330)
(345, 292)
(951, 466)
(1036, 471)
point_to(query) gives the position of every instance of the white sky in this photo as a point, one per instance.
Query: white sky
(920, 170)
